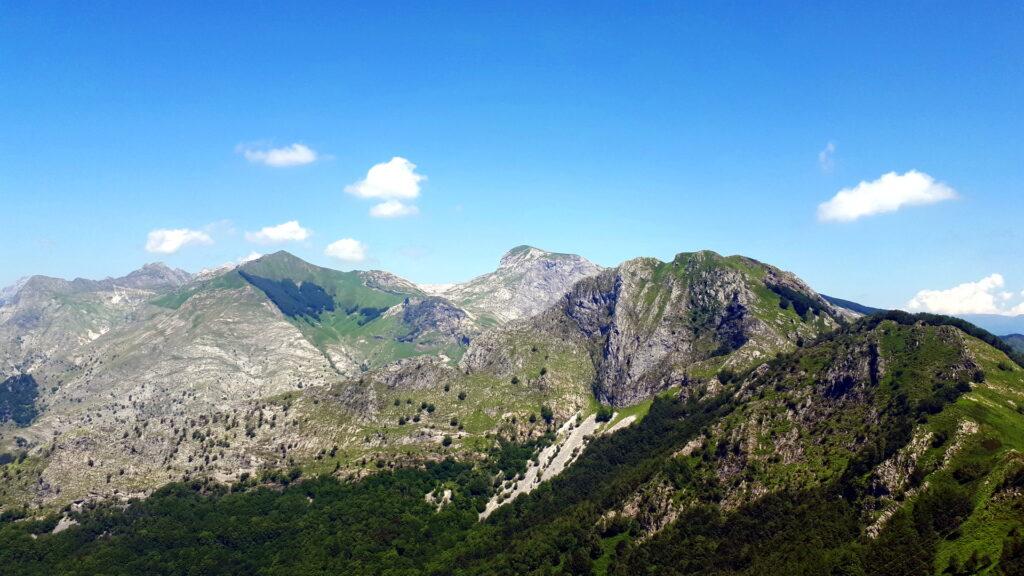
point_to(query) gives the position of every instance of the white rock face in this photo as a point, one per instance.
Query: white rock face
(527, 282)
(572, 438)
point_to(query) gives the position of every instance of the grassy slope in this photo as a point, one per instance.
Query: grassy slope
(491, 404)
(375, 342)
(994, 451)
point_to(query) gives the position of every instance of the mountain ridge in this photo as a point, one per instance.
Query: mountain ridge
(278, 369)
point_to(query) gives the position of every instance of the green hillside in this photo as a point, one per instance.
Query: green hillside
(339, 312)
(891, 446)
(1016, 341)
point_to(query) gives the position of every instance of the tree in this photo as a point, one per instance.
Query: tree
(447, 441)
(546, 414)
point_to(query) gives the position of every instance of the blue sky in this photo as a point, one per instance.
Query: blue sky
(608, 130)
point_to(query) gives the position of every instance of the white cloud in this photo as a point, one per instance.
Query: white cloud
(396, 178)
(887, 194)
(393, 209)
(347, 249)
(169, 241)
(250, 257)
(290, 231)
(982, 297)
(825, 160)
(294, 155)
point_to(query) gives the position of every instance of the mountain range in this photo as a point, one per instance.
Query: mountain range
(653, 401)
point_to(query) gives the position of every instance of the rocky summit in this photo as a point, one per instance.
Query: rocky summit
(528, 280)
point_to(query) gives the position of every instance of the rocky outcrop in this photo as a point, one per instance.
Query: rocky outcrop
(388, 282)
(419, 373)
(432, 314)
(647, 323)
(528, 280)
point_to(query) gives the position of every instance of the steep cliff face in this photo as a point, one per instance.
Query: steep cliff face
(648, 325)
(528, 280)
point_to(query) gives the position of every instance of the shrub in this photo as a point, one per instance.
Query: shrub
(546, 414)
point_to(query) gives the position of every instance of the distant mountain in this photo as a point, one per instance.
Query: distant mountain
(44, 318)
(996, 323)
(850, 305)
(359, 320)
(1016, 341)
(527, 281)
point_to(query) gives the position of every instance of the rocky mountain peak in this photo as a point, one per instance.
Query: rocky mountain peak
(527, 281)
(155, 275)
(8, 292)
(522, 255)
(280, 264)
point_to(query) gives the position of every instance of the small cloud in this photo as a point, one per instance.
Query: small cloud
(981, 297)
(290, 231)
(887, 194)
(250, 257)
(393, 209)
(825, 158)
(396, 178)
(169, 241)
(391, 181)
(347, 250)
(294, 155)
